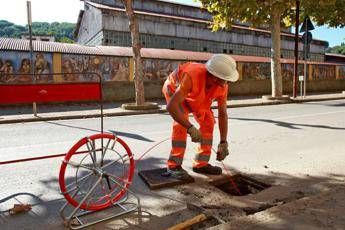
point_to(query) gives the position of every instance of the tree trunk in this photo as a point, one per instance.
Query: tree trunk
(276, 77)
(136, 46)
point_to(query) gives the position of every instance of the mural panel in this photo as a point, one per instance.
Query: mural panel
(261, 71)
(323, 72)
(76, 68)
(342, 72)
(155, 69)
(288, 72)
(256, 71)
(19, 63)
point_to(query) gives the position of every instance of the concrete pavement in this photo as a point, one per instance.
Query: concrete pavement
(15, 114)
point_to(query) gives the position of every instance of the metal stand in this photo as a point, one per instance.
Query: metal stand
(73, 219)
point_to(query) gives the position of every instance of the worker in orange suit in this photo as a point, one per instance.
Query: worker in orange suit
(191, 88)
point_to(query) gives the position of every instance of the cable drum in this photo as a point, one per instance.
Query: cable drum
(96, 172)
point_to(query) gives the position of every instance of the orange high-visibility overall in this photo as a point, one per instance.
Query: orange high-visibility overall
(198, 102)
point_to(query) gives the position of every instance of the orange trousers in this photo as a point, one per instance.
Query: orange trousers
(206, 121)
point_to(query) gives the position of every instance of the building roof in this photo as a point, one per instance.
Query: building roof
(14, 44)
(335, 58)
(42, 46)
(197, 5)
(335, 55)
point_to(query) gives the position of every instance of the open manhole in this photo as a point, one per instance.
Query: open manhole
(239, 185)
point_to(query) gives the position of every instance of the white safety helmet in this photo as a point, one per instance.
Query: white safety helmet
(222, 66)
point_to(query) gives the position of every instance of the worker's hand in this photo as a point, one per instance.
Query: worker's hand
(194, 134)
(223, 151)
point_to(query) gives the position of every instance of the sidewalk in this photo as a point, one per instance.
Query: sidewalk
(16, 114)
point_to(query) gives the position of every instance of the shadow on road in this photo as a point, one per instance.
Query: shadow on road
(289, 125)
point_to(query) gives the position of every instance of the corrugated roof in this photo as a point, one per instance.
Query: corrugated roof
(175, 54)
(335, 55)
(42, 46)
(115, 51)
(14, 44)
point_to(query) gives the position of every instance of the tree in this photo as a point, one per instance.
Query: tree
(274, 13)
(65, 40)
(63, 32)
(136, 46)
(337, 49)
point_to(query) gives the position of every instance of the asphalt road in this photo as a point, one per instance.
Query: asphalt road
(292, 139)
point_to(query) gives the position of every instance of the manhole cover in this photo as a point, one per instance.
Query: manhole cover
(239, 185)
(154, 179)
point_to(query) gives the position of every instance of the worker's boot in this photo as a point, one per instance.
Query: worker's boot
(177, 172)
(208, 169)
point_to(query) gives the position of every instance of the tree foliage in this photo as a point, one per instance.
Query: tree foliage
(325, 12)
(337, 49)
(63, 32)
(274, 14)
(258, 12)
(8, 29)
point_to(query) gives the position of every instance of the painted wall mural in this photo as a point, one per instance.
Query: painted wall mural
(76, 68)
(342, 72)
(289, 69)
(19, 63)
(261, 71)
(256, 71)
(155, 69)
(323, 72)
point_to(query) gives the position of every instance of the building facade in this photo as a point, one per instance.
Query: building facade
(163, 24)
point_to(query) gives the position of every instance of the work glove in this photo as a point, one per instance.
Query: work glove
(194, 134)
(222, 151)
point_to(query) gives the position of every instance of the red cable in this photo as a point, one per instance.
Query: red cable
(231, 180)
(230, 177)
(38, 158)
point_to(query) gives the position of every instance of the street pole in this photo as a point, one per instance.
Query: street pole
(305, 59)
(28, 5)
(294, 90)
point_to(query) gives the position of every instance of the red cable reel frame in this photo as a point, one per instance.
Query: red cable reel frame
(107, 202)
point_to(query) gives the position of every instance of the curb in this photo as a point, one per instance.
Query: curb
(159, 110)
(70, 117)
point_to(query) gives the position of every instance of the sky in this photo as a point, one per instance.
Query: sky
(67, 11)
